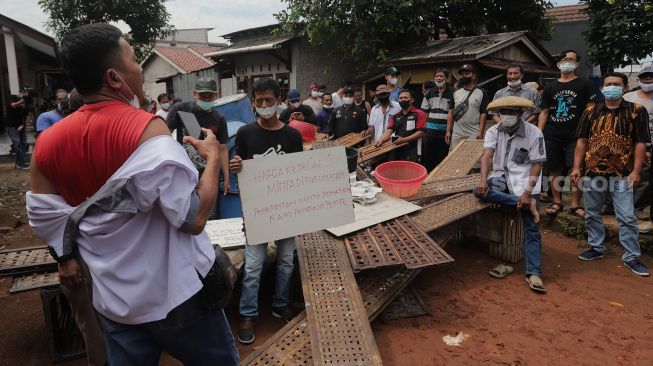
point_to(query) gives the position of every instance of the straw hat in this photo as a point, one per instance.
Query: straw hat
(533, 84)
(510, 103)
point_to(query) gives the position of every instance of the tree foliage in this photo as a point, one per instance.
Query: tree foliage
(148, 20)
(621, 31)
(366, 31)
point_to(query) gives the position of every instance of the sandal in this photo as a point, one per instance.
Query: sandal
(574, 211)
(536, 284)
(554, 209)
(501, 271)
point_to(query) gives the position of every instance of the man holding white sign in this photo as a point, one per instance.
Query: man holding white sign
(269, 136)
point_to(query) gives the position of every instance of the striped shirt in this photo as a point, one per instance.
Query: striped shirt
(437, 107)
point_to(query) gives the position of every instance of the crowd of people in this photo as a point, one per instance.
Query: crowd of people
(122, 205)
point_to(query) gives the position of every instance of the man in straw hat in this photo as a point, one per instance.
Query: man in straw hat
(516, 151)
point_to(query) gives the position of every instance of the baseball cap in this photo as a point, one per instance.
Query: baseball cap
(206, 85)
(293, 94)
(382, 89)
(348, 90)
(646, 68)
(467, 67)
(392, 71)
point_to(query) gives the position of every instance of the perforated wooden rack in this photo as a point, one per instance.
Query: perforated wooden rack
(34, 281)
(398, 242)
(325, 144)
(26, 260)
(369, 152)
(448, 210)
(339, 330)
(459, 162)
(352, 139)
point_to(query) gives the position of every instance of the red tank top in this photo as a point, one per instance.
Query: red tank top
(81, 152)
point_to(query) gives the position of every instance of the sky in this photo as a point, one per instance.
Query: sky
(225, 16)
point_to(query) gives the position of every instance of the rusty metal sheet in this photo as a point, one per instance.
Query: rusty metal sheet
(448, 210)
(369, 152)
(34, 281)
(291, 345)
(445, 187)
(392, 243)
(339, 330)
(459, 162)
(352, 139)
(26, 260)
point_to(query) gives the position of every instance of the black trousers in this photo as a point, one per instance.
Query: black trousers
(434, 150)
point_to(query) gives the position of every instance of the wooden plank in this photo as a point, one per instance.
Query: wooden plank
(369, 152)
(26, 260)
(34, 281)
(339, 330)
(446, 211)
(444, 187)
(352, 139)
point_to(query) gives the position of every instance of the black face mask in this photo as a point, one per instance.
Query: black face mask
(404, 104)
(464, 80)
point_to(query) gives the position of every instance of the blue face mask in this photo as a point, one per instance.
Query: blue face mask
(612, 92)
(207, 106)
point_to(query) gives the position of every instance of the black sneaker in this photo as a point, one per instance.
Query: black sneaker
(638, 268)
(285, 314)
(246, 331)
(590, 255)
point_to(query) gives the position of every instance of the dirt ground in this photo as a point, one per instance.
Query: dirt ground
(596, 313)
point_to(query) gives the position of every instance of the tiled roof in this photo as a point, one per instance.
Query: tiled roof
(568, 13)
(203, 50)
(184, 58)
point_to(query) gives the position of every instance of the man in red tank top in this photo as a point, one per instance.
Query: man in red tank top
(76, 157)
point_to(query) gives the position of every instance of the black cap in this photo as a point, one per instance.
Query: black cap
(467, 67)
(392, 71)
(348, 90)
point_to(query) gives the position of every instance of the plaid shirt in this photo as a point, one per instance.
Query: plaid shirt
(522, 91)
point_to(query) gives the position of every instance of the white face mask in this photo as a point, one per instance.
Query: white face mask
(295, 105)
(515, 83)
(348, 100)
(509, 121)
(320, 94)
(315, 94)
(328, 106)
(646, 88)
(267, 112)
(567, 67)
(393, 81)
(440, 84)
(165, 106)
(134, 102)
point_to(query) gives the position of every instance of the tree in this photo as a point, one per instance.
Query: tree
(620, 32)
(148, 20)
(367, 31)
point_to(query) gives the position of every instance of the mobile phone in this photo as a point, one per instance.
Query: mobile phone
(190, 123)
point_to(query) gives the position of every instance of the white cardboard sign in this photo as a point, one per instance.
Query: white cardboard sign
(227, 233)
(293, 194)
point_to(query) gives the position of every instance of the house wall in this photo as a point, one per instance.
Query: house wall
(183, 85)
(570, 36)
(315, 64)
(154, 69)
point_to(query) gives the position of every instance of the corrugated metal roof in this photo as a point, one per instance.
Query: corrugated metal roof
(252, 44)
(568, 13)
(465, 48)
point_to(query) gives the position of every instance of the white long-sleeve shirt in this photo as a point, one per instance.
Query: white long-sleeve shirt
(141, 265)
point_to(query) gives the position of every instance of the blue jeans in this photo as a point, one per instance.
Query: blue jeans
(500, 194)
(254, 259)
(622, 199)
(18, 145)
(190, 333)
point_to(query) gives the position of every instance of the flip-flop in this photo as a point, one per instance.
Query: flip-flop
(501, 271)
(552, 210)
(574, 211)
(536, 284)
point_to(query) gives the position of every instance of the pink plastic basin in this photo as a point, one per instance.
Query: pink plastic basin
(306, 129)
(400, 178)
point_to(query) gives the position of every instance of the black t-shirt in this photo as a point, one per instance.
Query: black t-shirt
(347, 120)
(309, 115)
(566, 103)
(254, 141)
(15, 116)
(212, 120)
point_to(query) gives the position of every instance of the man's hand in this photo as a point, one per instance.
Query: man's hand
(634, 179)
(524, 200)
(399, 141)
(207, 148)
(364, 133)
(227, 186)
(236, 164)
(482, 188)
(299, 116)
(575, 176)
(447, 138)
(20, 128)
(479, 136)
(70, 273)
(378, 143)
